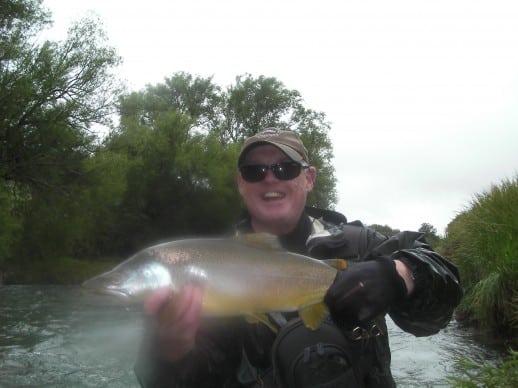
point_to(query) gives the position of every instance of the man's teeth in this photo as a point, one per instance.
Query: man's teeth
(273, 194)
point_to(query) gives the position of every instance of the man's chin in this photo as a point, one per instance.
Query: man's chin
(277, 218)
(274, 211)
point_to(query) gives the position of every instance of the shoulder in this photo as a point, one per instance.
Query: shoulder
(329, 216)
(333, 236)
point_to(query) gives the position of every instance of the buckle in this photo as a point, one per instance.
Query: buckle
(361, 333)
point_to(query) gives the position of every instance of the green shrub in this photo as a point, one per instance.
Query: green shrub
(483, 242)
(475, 375)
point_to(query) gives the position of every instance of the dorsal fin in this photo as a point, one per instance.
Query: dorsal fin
(260, 240)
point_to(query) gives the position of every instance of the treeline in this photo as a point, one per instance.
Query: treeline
(166, 169)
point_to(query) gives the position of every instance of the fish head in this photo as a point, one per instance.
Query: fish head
(131, 280)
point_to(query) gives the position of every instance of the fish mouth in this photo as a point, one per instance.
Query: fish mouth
(100, 288)
(107, 296)
(120, 294)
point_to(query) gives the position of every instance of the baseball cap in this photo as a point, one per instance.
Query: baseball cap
(288, 142)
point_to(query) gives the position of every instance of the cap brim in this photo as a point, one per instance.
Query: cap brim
(287, 150)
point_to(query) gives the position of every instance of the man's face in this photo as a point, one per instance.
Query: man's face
(275, 205)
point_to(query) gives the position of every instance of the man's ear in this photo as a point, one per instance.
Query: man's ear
(238, 183)
(311, 176)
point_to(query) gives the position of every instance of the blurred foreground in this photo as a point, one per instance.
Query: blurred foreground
(57, 337)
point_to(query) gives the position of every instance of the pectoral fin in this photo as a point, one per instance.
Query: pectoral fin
(313, 315)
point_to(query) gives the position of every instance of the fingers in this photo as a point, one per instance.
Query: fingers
(176, 316)
(182, 308)
(406, 274)
(155, 301)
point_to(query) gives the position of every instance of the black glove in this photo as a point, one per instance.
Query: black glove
(364, 290)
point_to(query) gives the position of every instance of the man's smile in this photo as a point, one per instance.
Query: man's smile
(272, 195)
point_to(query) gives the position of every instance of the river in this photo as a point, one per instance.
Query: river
(54, 336)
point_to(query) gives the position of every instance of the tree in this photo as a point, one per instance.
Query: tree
(182, 139)
(430, 234)
(51, 95)
(253, 104)
(178, 181)
(384, 229)
(10, 200)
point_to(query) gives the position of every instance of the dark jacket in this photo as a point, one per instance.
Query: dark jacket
(234, 353)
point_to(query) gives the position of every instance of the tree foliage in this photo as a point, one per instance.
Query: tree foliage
(51, 94)
(167, 169)
(177, 182)
(384, 230)
(430, 234)
(181, 157)
(253, 104)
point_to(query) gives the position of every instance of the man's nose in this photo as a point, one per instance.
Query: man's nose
(270, 176)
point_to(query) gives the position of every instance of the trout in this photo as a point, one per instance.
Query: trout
(248, 275)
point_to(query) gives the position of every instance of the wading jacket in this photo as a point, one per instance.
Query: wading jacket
(234, 353)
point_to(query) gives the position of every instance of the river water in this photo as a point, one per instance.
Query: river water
(54, 336)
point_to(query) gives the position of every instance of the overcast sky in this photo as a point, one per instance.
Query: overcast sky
(422, 96)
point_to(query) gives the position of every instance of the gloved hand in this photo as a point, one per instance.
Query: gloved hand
(364, 290)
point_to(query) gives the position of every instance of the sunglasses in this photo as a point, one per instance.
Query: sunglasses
(283, 171)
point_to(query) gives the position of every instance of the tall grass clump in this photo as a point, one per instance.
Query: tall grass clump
(474, 374)
(483, 242)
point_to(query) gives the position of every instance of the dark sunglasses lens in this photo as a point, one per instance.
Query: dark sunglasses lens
(287, 171)
(282, 171)
(253, 173)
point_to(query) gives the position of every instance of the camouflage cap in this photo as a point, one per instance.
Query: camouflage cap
(288, 142)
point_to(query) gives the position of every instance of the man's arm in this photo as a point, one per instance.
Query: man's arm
(401, 276)
(436, 284)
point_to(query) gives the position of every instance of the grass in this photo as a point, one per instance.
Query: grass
(476, 375)
(483, 242)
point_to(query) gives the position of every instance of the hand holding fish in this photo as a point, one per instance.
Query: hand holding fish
(367, 289)
(176, 317)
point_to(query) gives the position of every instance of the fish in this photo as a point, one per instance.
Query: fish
(249, 275)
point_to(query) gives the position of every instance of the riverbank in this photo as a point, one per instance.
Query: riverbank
(60, 271)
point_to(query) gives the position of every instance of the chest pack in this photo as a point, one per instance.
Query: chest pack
(312, 358)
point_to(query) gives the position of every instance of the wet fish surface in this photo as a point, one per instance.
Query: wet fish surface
(248, 275)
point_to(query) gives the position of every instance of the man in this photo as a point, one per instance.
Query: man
(400, 275)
